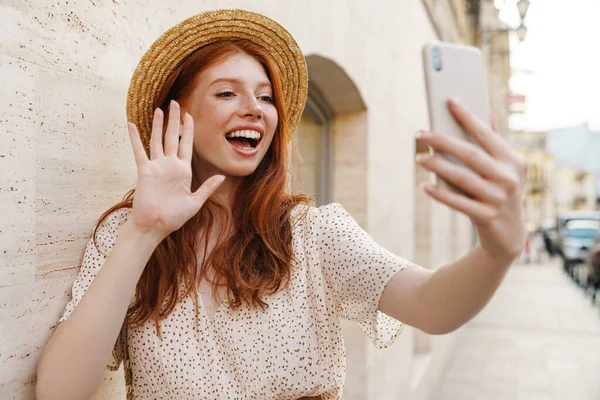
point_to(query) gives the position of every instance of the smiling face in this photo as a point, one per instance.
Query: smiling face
(234, 117)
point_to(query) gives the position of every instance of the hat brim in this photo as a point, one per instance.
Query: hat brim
(179, 42)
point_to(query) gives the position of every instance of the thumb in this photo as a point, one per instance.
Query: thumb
(208, 188)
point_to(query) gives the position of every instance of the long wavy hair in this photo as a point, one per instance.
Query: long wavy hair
(255, 260)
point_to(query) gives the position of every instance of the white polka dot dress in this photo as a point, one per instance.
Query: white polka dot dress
(292, 349)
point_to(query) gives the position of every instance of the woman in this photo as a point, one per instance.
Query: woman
(212, 281)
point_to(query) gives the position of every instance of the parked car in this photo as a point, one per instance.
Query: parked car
(549, 232)
(592, 266)
(577, 240)
(565, 218)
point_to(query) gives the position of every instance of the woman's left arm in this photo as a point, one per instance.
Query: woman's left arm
(440, 301)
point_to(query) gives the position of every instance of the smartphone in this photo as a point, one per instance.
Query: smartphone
(454, 71)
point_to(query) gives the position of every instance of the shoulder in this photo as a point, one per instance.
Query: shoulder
(316, 219)
(306, 212)
(332, 213)
(332, 210)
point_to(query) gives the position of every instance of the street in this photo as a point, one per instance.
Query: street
(537, 339)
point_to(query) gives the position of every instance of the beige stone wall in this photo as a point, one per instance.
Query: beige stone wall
(496, 52)
(449, 19)
(65, 156)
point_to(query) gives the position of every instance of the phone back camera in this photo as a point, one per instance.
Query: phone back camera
(436, 58)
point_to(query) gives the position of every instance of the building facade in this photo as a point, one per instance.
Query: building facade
(539, 195)
(577, 149)
(574, 189)
(563, 172)
(66, 158)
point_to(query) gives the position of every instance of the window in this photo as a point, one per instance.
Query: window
(313, 137)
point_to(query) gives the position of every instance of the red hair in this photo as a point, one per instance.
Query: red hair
(255, 261)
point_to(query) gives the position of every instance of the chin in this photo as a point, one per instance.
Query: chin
(239, 171)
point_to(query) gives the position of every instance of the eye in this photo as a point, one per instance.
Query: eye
(228, 93)
(267, 99)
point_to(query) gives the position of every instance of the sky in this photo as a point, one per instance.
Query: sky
(557, 67)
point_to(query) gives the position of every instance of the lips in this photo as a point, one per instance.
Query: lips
(243, 147)
(244, 151)
(245, 140)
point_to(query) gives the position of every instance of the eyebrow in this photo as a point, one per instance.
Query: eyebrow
(238, 81)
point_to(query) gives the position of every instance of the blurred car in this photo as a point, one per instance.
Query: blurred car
(592, 266)
(577, 241)
(549, 232)
(558, 236)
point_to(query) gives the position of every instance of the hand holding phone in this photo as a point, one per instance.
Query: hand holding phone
(479, 174)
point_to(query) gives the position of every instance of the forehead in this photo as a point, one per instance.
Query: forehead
(238, 67)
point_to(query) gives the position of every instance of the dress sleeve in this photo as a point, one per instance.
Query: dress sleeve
(93, 259)
(356, 270)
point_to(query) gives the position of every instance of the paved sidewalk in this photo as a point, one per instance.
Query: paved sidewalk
(538, 339)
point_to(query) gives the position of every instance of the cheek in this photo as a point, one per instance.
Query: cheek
(211, 120)
(272, 119)
(209, 114)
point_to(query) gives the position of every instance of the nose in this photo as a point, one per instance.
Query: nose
(251, 108)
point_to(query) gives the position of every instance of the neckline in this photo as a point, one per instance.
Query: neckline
(220, 308)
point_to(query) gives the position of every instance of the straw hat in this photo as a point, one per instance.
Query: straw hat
(176, 44)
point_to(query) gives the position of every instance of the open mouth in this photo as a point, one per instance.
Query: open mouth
(245, 140)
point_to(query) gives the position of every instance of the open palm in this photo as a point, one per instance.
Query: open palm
(163, 199)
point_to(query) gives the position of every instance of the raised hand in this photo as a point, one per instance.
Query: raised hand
(494, 182)
(163, 199)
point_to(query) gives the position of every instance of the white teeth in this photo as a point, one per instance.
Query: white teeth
(245, 133)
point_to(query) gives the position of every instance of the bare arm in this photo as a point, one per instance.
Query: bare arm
(441, 301)
(491, 181)
(74, 360)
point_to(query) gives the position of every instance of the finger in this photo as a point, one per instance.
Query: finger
(208, 188)
(156, 148)
(136, 143)
(186, 144)
(493, 124)
(172, 134)
(477, 211)
(493, 144)
(463, 178)
(474, 157)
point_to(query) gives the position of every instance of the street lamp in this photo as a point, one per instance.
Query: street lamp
(521, 31)
(523, 6)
